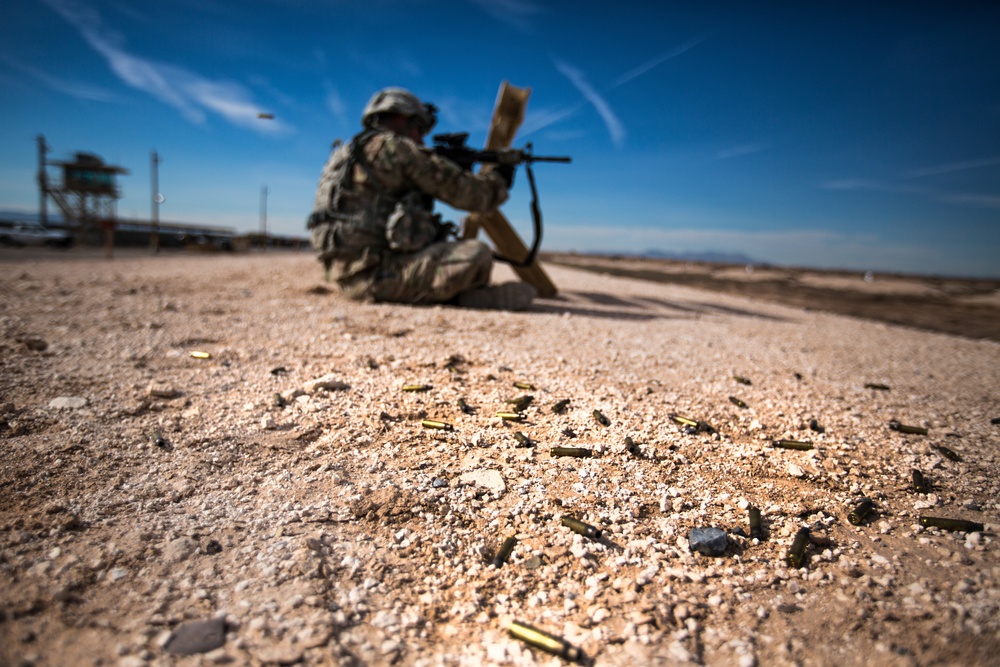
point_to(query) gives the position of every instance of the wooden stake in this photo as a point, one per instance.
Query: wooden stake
(508, 114)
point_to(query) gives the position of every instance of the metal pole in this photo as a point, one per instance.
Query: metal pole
(263, 217)
(155, 186)
(43, 181)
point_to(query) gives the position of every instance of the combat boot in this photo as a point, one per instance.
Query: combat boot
(508, 296)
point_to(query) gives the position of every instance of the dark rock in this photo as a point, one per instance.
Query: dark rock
(197, 637)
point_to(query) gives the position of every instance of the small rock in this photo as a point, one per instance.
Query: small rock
(795, 470)
(178, 550)
(212, 547)
(328, 382)
(438, 483)
(68, 403)
(490, 480)
(197, 637)
(709, 541)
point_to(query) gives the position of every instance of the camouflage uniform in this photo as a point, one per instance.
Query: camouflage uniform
(373, 224)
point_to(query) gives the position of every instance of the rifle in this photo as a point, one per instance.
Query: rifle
(452, 146)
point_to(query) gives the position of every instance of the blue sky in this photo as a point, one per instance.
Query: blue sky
(862, 136)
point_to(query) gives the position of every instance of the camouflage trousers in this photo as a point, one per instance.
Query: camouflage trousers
(436, 274)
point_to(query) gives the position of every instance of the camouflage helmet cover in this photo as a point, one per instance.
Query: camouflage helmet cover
(401, 101)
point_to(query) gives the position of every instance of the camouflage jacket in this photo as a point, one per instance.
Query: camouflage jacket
(376, 195)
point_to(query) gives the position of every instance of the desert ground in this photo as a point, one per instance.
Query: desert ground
(216, 459)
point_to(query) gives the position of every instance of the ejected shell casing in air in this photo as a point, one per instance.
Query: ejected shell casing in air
(527, 386)
(505, 551)
(432, 423)
(903, 428)
(545, 641)
(919, 484)
(859, 513)
(797, 553)
(578, 452)
(582, 528)
(792, 444)
(957, 525)
(560, 406)
(416, 387)
(755, 529)
(601, 419)
(737, 402)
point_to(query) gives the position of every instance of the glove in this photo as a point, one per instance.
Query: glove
(506, 174)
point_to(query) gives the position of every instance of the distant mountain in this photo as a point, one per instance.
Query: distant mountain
(713, 256)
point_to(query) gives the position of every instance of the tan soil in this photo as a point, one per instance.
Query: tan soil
(335, 529)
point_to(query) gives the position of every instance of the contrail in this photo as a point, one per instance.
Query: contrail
(576, 78)
(658, 60)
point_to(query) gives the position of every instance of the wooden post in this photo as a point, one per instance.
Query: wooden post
(508, 114)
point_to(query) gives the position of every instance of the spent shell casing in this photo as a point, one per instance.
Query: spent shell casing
(527, 386)
(197, 354)
(505, 550)
(948, 453)
(433, 423)
(465, 407)
(523, 440)
(742, 380)
(859, 513)
(560, 406)
(737, 402)
(278, 400)
(919, 484)
(957, 525)
(578, 452)
(157, 439)
(510, 416)
(631, 447)
(684, 421)
(544, 641)
(876, 386)
(995, 420)
(797, 553)
(416, 387)
(792, 444)
(904, 428)
(815, 426)
(601, 419)
(755, 529)
(582, 528)
(521, 403)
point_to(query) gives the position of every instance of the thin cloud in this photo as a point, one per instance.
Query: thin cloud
(188, 92)
(739, 151)
(953, 167)
(575, 76)
(975, 200)
(518, 14)
(75, 89)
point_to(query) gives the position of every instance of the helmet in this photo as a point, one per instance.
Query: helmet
(401, 101)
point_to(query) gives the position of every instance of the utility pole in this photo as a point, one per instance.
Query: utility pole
(43, 181)
(263, 217)
(157, 198)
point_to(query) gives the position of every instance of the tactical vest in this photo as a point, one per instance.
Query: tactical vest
(350, 222)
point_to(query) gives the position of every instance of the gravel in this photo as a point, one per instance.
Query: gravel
(333, 526)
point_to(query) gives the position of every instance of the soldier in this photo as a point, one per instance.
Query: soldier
(373, 224)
